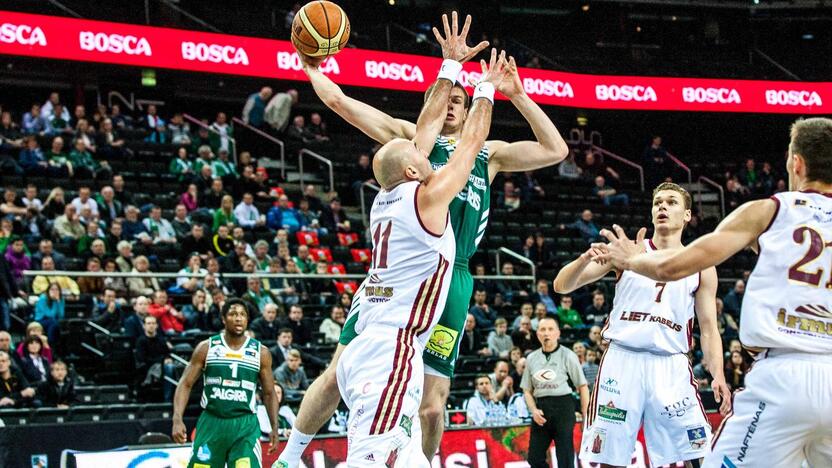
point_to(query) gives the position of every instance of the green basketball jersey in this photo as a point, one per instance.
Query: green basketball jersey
(469, 210)
(230, 377)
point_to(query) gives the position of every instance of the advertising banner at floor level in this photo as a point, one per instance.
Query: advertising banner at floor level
(145, 46)
(499, 447)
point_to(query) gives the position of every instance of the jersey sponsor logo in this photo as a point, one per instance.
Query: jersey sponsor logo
(370, 457)
(203, 453)
(610, 385)
(600, 436)
(248, 385)
(625, 93)
(812, 326)
(610, 413)
(378, 294)
(727, 463)
(291, 61)
(677, 409)
(230, 383)
(251, 353)
(227, 394)
(442, 340)
(406, 423)
(474, 199)
(749, 433)
(545, 375)
(697, 437)
(633, 316)
(114, 43)
(242, 463)
(232, 355)
(213, 380)
(393, 71)
(22, 34)
(201, 465)
(477, 181)
(782, 97)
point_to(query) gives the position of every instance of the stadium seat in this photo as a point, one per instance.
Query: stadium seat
(49, 416)
(119, 412)
(93, 413)
(157, 411)
(15, 417)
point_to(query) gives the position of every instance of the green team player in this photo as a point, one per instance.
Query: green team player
(469, 216)
(227, 433)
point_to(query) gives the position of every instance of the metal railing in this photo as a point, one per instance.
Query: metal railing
(519, 45)
(624, 160)
(718, 188)
(213, 130)
(272, 139)
(531, 278)
(362, 200)
(417, 37)
(682, 165)
(319, 158)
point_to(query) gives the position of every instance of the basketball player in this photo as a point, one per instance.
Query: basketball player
(645, 376)
(231, 364)
(469, 217)
(380, 373)
(784, 414)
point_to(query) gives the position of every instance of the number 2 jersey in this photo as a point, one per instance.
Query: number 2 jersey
(407, 284)
(230, 378)
(652, 316)
(788, 299)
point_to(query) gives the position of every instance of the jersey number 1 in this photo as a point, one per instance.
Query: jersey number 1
(233, 367)
(380, 241)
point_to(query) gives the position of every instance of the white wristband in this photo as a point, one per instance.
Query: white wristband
(449, 70)
(484, 90)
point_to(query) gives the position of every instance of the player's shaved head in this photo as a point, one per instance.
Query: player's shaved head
(396, 162)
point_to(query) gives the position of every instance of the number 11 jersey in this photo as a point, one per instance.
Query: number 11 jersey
(407, 283)
(788, 299)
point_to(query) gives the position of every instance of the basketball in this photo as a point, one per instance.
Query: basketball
(320, 29)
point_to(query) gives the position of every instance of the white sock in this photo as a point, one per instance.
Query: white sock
(298, 441)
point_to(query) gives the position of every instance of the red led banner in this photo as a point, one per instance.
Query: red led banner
(145, 46)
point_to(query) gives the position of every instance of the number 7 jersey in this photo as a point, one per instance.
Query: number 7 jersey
(788, 299)
(407, 284)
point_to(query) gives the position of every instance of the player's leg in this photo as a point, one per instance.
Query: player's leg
(316, 408)
(818, 449)
(440, 357)
(246, 450)
(380, 376)
(211, 443)
(675, 426)
(773, 418)
(615, 409)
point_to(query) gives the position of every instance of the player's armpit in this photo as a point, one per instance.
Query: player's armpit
(736, 232)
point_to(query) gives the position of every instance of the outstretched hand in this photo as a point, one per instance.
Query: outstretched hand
(454, 45)
(497, 70)
(511, 86)
(620, 249)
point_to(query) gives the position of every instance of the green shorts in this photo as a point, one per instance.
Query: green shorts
(443, 346)
(234, 442)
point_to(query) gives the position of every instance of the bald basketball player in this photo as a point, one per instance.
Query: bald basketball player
(469, 218)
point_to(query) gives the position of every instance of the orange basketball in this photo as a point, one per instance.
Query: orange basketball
(320, 29)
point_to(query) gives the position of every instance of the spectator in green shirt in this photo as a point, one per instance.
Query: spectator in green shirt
(304, 261)
(206, 158)
(567, 316)
(85, 166)
(181, 166)
(223, 168)
(59, 160)
(225, 214)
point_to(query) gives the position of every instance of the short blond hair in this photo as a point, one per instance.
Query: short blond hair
(675, 188)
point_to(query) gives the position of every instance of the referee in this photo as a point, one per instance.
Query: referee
(548, 395)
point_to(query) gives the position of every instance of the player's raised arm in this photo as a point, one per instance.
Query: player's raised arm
(549, 149)
(581, 271)
(183, 391)
(372, 122)
(739, 230)
(440, 189)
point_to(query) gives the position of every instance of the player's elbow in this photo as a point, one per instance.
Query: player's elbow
(558, 153)
(559, 287)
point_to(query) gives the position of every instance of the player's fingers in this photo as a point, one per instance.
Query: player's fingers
(465, 27)
(640, 236)
(454, 23)
(479, 48)
(446, 26)
(606, 233)
(512, 65)
(493, 60)
(620, 232)
(483, 66)
(438, 36)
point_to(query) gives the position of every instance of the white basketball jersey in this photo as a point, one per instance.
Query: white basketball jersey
(788, 299)
(408, 281)
(652, 316)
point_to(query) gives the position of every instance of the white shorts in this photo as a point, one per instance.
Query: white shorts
(380, 376)
(638, 387)
(782, 417)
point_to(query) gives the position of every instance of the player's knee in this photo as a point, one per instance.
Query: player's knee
(432, 410)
